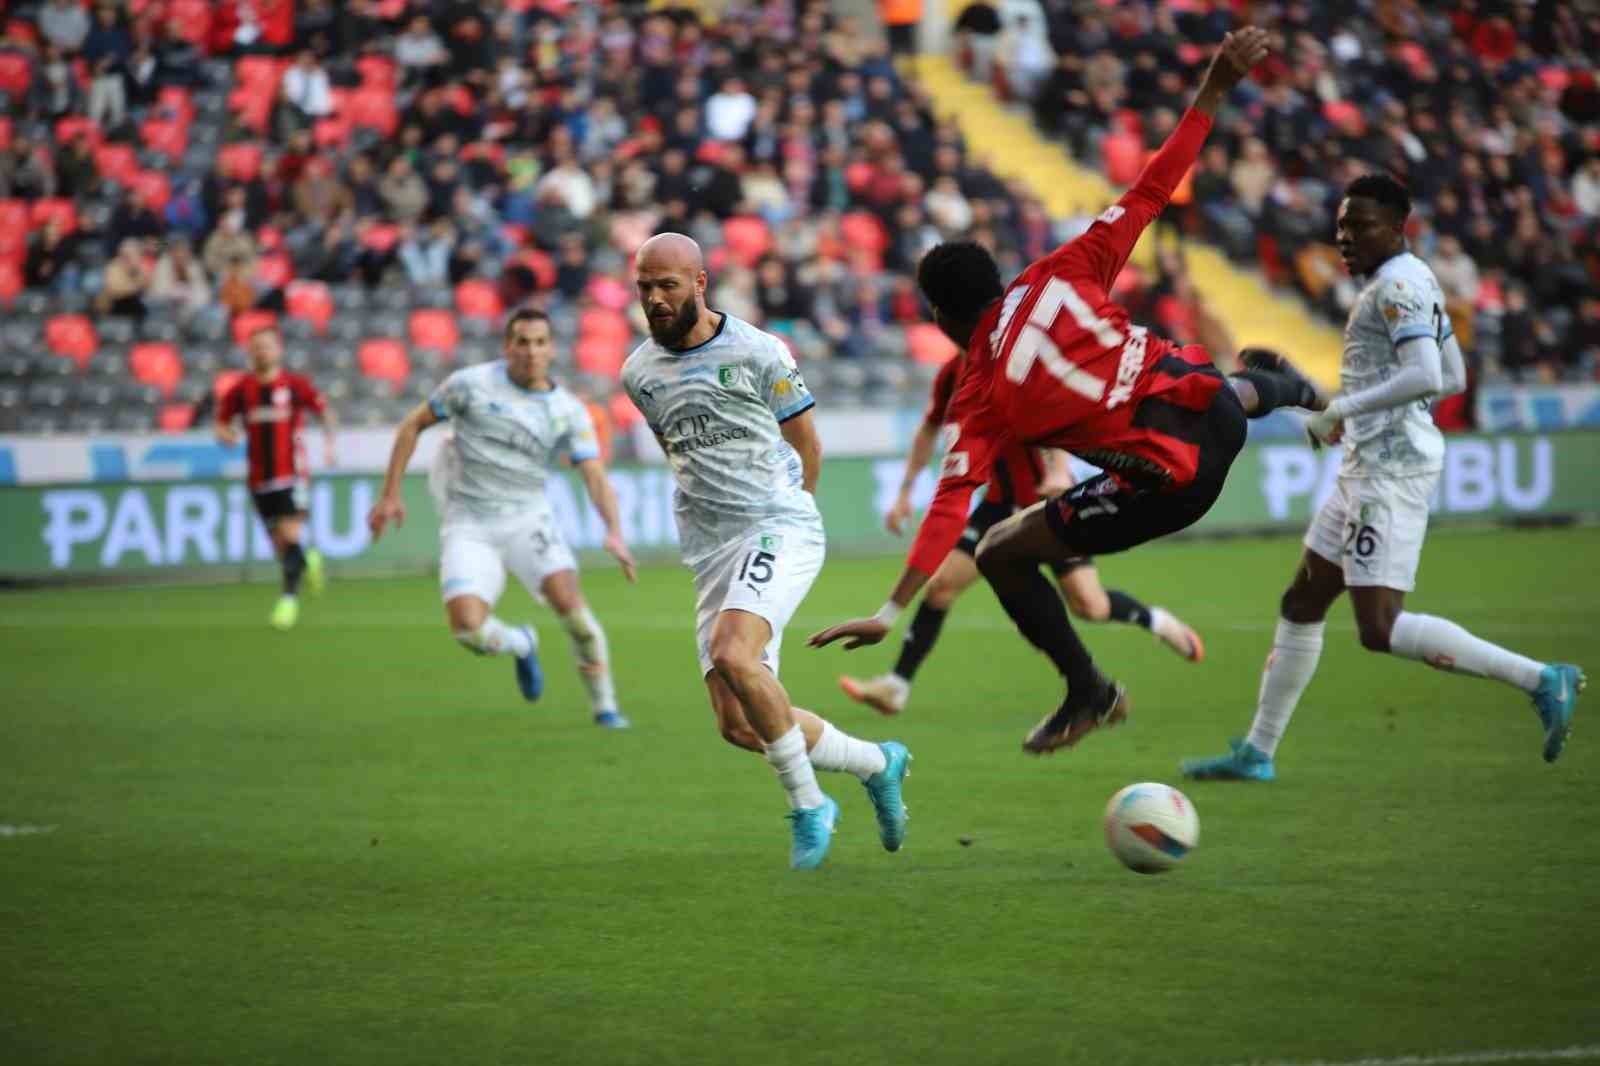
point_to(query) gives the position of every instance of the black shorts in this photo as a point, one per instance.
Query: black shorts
(1105, 515)
(986, 515)
(279, 504)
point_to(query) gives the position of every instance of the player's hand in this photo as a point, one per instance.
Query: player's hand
(895, 520)
(330, 453)
(387, 509)
(1238, 54)
(1325, 427)
(855, 634)
(619, 551)
(227, 435)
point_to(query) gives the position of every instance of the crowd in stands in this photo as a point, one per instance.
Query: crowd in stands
(384, 177)
(1489, 111)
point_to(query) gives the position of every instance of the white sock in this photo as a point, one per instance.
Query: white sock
(1444, 645)
(840, 751)
(589, 647)
(1295, 651)
(494, 637)
(787, 755)
(900, 685)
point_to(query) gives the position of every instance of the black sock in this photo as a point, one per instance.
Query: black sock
(1274, 390)
(925, 626)
(1035, 606)
(1124, 608)
(294, 564)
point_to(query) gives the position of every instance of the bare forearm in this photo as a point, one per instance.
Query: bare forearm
(921, 451)
(604, 498)
(405, 445)
(906, 589)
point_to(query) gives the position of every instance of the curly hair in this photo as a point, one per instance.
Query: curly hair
(959, 279)
(1382, 189)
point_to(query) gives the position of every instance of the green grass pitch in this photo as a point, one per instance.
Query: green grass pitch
(356, 844)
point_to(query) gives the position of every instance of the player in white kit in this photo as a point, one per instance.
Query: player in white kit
(732, 413)
(513, 425)
(1399, 351)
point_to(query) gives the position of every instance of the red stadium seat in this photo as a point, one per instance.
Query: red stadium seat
(14, 217)
(155, 363)
(224, 381)
(275, 270)
(16, 73)
(600, 355)
(382, 237)
(155, 188)
(331, 132)
(384, 358)
(747, 238)
(374, 109)
(64, 210)
(434, 328)
(191, 20)
(862, 229)
(537, 263)
(5, 132)
(477, 298)
(1122, 154)
(72, 336)
(74, 126)
(165, 135)
(117, 162)
(493, 152)
(378, 73)
(259, 74)
(311, 301)
(928, 344)
(623, 413)
(175, 102)
(175, 417)
(14, 243)
(10, 282)
(241, 161)
(603, 323)
(247, 322)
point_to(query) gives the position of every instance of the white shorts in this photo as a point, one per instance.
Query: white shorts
(1373, 529)
(475, 555)
(767, 573)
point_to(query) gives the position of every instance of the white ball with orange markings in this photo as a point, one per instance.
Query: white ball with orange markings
(1150, 827)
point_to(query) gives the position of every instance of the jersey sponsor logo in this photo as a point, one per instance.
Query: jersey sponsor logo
(1111, 214)
(280, 396)
(956, 464)
(694, 432)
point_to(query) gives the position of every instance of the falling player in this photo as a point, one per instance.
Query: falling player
(273, 402)
(1051, 361)
(1399, 350)
(733, 415)
(1020, 477)
(513, 426)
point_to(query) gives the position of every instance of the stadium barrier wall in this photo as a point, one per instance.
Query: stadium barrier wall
(205, 525)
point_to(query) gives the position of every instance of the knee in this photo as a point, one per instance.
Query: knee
(739, 734)
(940, 594)
(729, 660)
(1091, 607)
(1374, 634)
(991, 555)
(1301, 605)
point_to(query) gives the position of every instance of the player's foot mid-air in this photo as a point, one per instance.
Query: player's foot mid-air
(1400, 351)
(513, 426)
(272, 402)
(734, 417)
(1020, 478)
(1052, 361)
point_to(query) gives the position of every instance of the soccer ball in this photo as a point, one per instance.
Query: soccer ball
(1150, 827)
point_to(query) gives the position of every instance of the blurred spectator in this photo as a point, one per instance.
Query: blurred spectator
(319, 197)
(307, 88)
(52, 258)
(107, 48)
(230, 244)
(135, 218)
(55, 89)
(1586, 186)
(425, 253)
(65, 24)
(126, 280)
(405, 195)
(180, 282)
(1457, 273)
(730, 111)
(25, 173)
(77, 171)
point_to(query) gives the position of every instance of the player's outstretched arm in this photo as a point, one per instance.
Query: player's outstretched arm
(604, 497)
(390, 507)
(916, 462)
(1238, 54)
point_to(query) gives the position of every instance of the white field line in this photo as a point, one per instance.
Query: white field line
(25, 830)
(1586, 1053)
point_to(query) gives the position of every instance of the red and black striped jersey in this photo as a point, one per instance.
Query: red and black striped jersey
(273, 412)
(1017, 472)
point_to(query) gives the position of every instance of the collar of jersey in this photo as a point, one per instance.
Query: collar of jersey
(1379, 268)
(703, 344)
(505, 373)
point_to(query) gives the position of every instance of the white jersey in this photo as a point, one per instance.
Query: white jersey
(1402, 301)
(717, 409)
(507, 440)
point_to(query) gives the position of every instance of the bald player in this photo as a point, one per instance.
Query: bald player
(729, 408)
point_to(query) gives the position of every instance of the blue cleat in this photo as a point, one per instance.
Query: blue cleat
(1554, 699)
(1244, 762)
(813, 833)
(884, 789)
(611, 720)
(530, 679)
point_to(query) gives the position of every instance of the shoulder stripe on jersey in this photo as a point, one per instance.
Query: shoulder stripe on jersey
(437, 407)
(1410, 333)
(795, 411)
(584, 456)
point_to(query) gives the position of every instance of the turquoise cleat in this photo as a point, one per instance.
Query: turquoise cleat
(530, 678)
(611, 720)
(884, 789)
(1554, 699)
(813, 833)
(1244, 762)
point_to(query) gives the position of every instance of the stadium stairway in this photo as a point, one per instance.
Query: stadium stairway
(1254, 313)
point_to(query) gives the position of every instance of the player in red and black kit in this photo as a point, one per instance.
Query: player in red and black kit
(1019, 478)
(1052, 361)
(273, 403)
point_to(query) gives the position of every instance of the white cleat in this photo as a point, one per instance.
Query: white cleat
(1171, 631)
(887, 694)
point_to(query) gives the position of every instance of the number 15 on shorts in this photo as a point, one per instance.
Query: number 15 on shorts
(756, 569)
